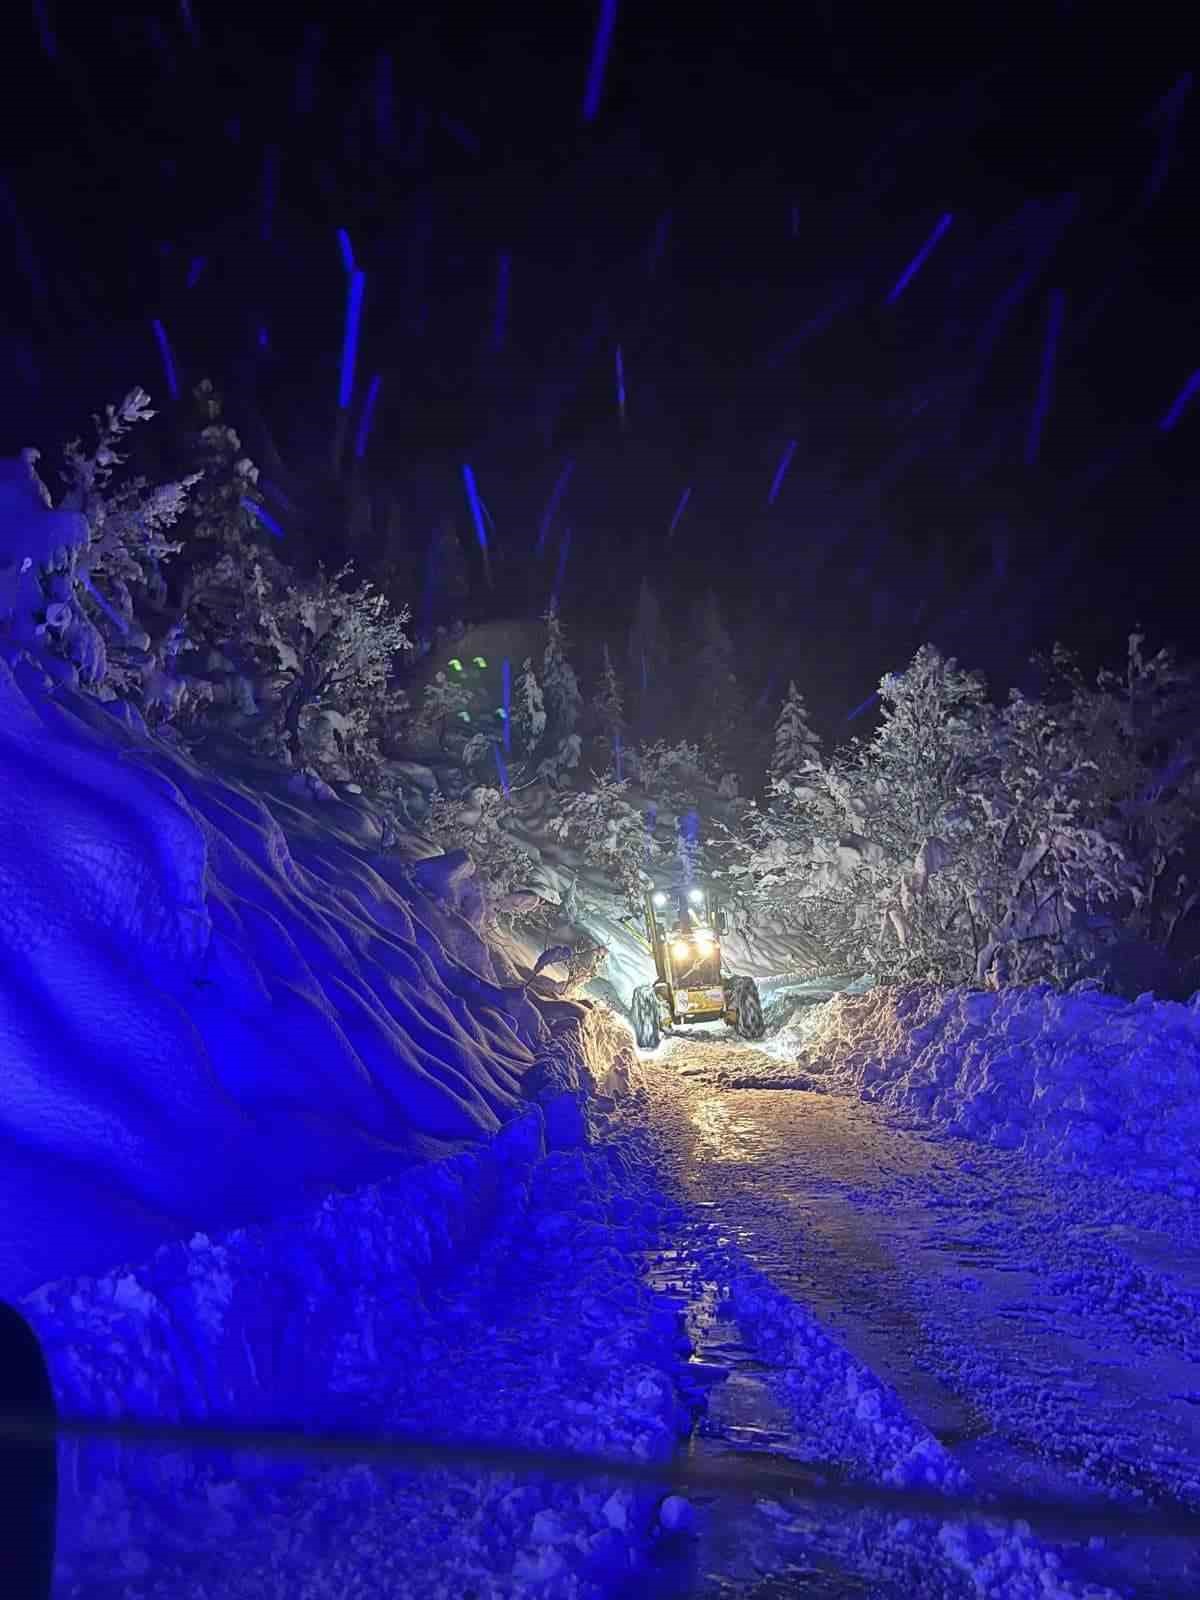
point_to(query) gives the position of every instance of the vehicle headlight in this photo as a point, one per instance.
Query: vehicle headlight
(704, 942)
(681, 949)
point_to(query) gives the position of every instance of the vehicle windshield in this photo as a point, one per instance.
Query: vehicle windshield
(676, 908)
(686, 927)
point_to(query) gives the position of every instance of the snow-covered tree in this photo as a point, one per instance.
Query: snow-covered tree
(99, 594)
(609, 833)
(222, 511)
(797, 748)
(333, 649)
(562, 745)
(608, 703)
(964, 843)
(675, 774)
(528, 709)
(1139, 728)
(445, 706)
(560, 686)
(479, 822)
(561, 758)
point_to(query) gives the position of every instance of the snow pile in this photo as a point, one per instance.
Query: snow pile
(842, 1412)
(215, 999)
(493, 1295)
(1085, 1079)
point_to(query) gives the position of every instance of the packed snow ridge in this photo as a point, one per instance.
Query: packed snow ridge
(1087, 1080)
(214, 1001)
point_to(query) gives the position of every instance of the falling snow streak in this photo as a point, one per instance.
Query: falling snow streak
(270, 190)
(477, 517)
(506, 698)
(869, 701)
(815, 325)
(918, 261)
(354, 300)
(659, 243)
(45, 32)
(618, 758)
(264, 342)
(368, 414)
(461, 136)
(679, 510)
(261, 514)
(780, 471)
(620, 386)
(500, 315)
(185, 11)
(500, 767)
(560, 488)
(198, 263)
(272, 489)
(160, 333)
(595, 77)
(347, 250)
(1041, 406)
(1180, 403)
(1166, 115)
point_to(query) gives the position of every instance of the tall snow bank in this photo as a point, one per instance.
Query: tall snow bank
(263, 1325)
(202, 1015)
(494, 1295)
(1087, 1080)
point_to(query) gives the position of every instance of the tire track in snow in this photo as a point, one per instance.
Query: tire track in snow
(950, 1272)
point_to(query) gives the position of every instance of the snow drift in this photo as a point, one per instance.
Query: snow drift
(207, 1012)
(1085, 1079)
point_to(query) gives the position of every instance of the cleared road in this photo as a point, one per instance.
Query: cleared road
(1026, 1319)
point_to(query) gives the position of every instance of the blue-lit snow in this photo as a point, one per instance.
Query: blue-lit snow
(284, 1141)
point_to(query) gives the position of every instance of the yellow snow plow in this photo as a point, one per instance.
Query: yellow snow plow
(681, 928)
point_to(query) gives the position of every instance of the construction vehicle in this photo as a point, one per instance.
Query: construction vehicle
(681, 927)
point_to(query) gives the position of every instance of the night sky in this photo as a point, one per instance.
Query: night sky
(989, 455)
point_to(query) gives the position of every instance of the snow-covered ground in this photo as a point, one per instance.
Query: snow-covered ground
(292, 1136)
(1088, 1080)
(287, 1142)
(493, 1296)
(935, 1313)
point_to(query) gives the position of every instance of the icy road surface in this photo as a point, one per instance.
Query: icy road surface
(1044, 1328)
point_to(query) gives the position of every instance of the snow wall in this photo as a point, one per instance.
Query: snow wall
(1087, 1080)
(262, 1086)
(204, 1017)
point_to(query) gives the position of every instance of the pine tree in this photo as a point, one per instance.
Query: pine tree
(559, 683)
(608, 703)
(528, 709)
(797, 748)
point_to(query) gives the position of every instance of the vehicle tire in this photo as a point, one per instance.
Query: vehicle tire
(748, 1009)
(645, 1018)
